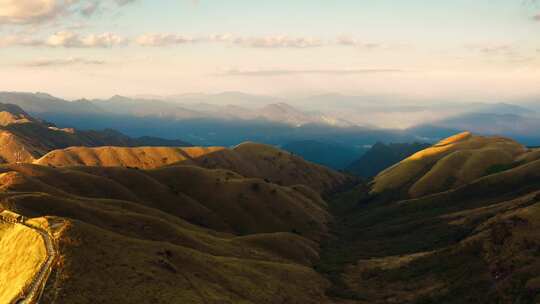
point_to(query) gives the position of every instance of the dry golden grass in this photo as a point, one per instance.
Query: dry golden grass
(248, 159)
(450, 163)
(7, 118)
(22, 252)
(14, 149)
(141, 157)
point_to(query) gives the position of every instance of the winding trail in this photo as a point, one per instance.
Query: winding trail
(33, 292)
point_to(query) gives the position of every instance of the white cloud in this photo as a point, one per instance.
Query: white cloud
(64, 38)
(32, 11)
(347, 41)
(163, 39)
(102, 40)
(279, 42)
(271, 41)
(39, 11)
(72, 40)
(166, 39)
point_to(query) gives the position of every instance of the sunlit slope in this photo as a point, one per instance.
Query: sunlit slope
(22, 253)
(285, 168)
(249, 160)
(12, 114)
(174, 235)
(141, 157)
(451, 163)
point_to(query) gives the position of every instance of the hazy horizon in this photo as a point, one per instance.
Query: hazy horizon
(285, 98)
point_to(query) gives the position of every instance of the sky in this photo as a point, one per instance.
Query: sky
(481, 50)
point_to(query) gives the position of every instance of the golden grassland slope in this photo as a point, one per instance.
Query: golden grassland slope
(140, 157)
(248, 159)
(22, 252)
(278, 166)
(451, 163)
(135, 236)
(11, 114)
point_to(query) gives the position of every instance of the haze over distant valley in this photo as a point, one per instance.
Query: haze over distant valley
(230, 118)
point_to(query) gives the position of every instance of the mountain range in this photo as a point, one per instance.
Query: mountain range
(24, 138)
(231, 118)
(456, 222)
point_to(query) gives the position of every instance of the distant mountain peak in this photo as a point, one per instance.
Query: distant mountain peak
(119, 98)
(10, 114)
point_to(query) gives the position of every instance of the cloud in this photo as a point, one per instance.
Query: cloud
(66, 39)
(347, 41)
(18, 40)
(278, 42)
(32, 11)
(163, 40)
(167, 39)
(20, 12)
(285, 72)
(62, 62)
(72, 40)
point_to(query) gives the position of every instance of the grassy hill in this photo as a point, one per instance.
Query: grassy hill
(477, 242)
(451, 163)
(248, 225)
(181, 233)
(248, 159)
